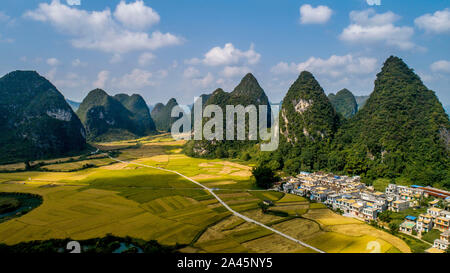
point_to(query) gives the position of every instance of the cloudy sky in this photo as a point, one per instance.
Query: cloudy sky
(163, 49)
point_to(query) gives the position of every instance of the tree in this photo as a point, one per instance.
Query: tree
(385, 216)
(264, 207)
(264, 176)
(393, 228)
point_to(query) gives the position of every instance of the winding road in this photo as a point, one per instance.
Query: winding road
(224, 204)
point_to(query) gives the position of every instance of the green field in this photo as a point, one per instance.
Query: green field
(126, 199)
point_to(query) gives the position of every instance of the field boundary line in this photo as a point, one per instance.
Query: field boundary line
(224, 204)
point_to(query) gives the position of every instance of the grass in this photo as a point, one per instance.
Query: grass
(287, 198)
(130, 200)
(381, 184)
(399, 217)
(431, 236)
(416, 246)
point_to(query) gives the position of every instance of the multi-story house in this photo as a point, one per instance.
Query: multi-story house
(425, 223)
(399, 205)
(443, 221)
(370, 213)
(434, 212)
(356, 208)
(409, 225)
(443, 243)
(331, 199)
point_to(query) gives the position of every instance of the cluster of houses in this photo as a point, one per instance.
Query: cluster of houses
(353, 198)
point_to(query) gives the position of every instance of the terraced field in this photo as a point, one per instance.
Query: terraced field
(131, 200)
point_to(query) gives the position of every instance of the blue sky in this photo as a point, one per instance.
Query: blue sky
(162, 49)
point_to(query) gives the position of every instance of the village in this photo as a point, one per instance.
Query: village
(352, 198)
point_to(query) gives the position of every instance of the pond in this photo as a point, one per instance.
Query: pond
(127, 247)
(17, 204)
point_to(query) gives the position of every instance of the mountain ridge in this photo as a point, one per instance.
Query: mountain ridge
(35, 119)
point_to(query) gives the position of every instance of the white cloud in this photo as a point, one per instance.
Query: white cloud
(98, 30)
(52, 61)
(235, 71)
(136, 79)
(335, 66)
(73, 2)
(367, 27)
(205, 81)
(146, 58)
(314, 15)
(191, 72)
(116, 58)
(77, 63)
(441, 66)
(439, 22)
(102, 78)
(163, 73)
(227, 55)
(136, 15)
(374, 2)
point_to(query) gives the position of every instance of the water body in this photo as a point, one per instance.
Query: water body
(26, 203)
(124, 247)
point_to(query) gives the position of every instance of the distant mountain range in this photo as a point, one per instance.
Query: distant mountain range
(110, 118)
(161, 114)
(247, 92)
(400, 131)
(344, 103)
(75, 105)
(361, 101)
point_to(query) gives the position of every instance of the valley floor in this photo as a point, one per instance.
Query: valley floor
(125, 199)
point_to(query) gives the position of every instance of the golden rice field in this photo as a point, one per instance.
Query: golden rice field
(130, 200)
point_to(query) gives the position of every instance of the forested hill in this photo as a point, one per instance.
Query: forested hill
(308, 123)
(141, 113)
(106, 118)
(35, 119)
(247, 92)
(344, 103)
(161, 115)
(402, 131)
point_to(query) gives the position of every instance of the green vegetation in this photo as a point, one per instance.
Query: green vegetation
(109, 118)
(361, 101)
(35, 120)
(107, 244)
(161, 114)
(416, 245)
(247, 92)
(264, 176)
(141, 114)
(344, 103)
(399, 217)
(401, 134)
(431, 235)
(402, 131)
(308, 123)
(17, 204)
(8, 204)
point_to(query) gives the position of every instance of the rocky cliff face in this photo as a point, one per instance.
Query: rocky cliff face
(306, 113)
